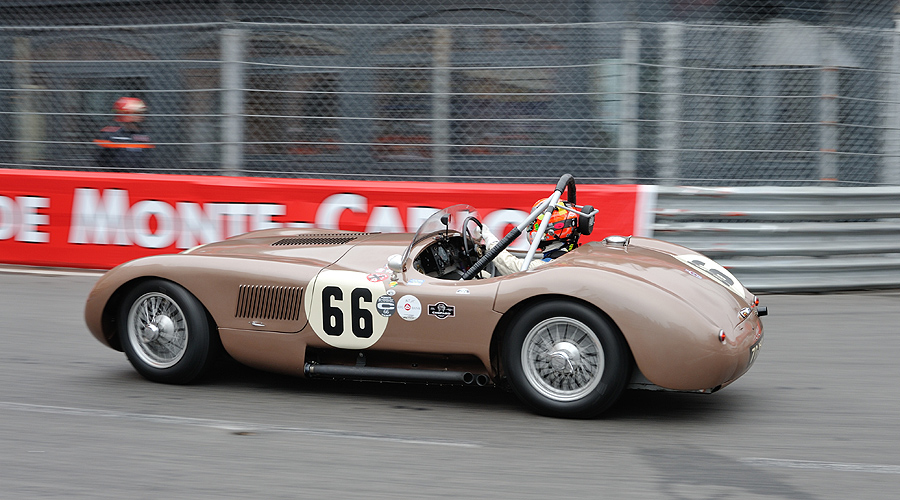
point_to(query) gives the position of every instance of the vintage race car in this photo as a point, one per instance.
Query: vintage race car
(567, 337)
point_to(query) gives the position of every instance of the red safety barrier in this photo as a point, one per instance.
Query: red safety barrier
(97, 221)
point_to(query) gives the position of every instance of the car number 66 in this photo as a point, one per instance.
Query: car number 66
(341, 309)
(333, 316)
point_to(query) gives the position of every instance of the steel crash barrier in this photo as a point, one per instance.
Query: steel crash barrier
(789, 239)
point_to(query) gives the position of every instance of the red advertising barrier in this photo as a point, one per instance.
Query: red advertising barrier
(97, 221)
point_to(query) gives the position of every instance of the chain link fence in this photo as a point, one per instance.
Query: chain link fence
(702, 92)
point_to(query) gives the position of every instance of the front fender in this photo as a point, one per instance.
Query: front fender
(220, 283)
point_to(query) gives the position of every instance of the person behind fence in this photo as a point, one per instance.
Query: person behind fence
(125, 145)
(561, 237)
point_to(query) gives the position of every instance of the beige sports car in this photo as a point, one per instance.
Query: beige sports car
(566, 337)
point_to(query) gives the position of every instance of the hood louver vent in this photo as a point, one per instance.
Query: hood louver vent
(269, 302)
(319, 239)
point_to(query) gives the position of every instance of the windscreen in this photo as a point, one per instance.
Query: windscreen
(456, 216)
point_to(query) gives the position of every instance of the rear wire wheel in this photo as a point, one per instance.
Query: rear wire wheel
(565, 360)
(166, 333)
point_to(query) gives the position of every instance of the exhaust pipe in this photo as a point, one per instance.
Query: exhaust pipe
(392, 374)
(481, 380)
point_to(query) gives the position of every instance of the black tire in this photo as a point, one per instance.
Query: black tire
(563, 359)
(166, 333)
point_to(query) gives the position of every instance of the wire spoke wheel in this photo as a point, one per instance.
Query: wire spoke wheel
(166, 332)
(157, 330)
(565, 359)
(562, 359)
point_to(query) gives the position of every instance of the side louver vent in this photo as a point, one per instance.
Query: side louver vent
(319, 239)
(269, 302)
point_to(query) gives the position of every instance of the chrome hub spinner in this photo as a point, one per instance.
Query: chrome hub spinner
(161, 326)
(564, 357)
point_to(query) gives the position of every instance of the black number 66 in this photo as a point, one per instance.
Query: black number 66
(333, 315)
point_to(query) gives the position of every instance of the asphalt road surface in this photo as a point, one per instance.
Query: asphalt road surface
(815, 418)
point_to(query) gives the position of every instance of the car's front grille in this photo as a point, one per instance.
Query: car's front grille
(269, 302)
(319, 239)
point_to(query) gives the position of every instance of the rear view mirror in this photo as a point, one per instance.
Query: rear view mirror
(395, 263)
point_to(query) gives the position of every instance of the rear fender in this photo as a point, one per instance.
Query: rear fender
(673, 345)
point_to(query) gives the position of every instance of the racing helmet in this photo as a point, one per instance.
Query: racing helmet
(129, 109)
(563, 226)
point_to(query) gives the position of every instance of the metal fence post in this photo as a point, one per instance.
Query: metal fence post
(29, 124)
(628, 130)
(233, 41)
(890, 173)
(440, 87)
(670, 113)
(828, 112)
(355, 84)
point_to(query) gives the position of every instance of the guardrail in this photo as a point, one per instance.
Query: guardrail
(789, 239)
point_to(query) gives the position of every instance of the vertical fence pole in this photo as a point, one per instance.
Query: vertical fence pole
(890, 173)
(669, 130)
(628, 130)
(440, 87)
(29, 123)
(232, 100)
(355, 84)
(828, 112)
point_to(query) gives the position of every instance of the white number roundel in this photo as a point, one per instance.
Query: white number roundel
(713, 270)
(341, 308)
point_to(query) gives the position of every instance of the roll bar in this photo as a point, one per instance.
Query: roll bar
(567, 180)
(566, 183)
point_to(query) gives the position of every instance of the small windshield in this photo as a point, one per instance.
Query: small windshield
(456, 216)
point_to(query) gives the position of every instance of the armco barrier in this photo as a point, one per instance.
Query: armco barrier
(789, 239)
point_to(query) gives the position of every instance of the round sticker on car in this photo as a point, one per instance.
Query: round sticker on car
(409, 307)
(343, 309)
(386, 306)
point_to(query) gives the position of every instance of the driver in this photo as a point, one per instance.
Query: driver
(561, 236)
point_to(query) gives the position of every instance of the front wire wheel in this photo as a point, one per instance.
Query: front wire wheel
(565, 360)
(166, 333)
(157, 330)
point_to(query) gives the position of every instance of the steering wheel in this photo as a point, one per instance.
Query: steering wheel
(472, 252)
(468, 237)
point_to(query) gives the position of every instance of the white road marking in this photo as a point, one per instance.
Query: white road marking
(809, 464)
(236, 427)
(48, 271)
